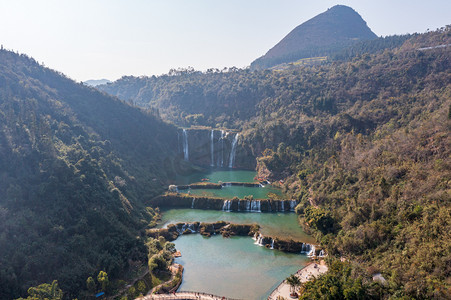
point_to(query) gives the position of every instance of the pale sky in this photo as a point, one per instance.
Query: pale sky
(110, 38)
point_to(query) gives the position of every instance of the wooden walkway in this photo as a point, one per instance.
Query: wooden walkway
(184, 295)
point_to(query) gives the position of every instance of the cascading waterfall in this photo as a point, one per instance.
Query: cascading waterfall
(255, 206)
(258, 239)
(185, 145)
(312, 251)
(272, 243)
(238, 204)
(292, 205)
(322, 253)
(306, 248)
(212, 148)
(186, 226)
(192, 204)
(227, 205)
(232, 152)
(248, 205)
(222, 148)
(282, 205)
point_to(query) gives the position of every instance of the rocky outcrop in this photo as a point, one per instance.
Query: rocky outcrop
(226, 229)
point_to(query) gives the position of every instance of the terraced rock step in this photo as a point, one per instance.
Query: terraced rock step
(177, 200)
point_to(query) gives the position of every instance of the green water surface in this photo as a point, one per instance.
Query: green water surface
(233, 267)
(216, 175)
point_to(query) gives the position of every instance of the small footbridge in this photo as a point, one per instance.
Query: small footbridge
(182, 295)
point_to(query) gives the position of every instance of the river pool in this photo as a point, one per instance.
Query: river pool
(216, 175)
(235, 267)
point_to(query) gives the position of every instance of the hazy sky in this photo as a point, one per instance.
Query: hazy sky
(110, 38)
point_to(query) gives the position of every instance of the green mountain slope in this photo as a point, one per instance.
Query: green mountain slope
(323, 35)
(76, 166)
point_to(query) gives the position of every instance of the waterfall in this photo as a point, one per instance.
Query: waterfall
(312, 251)
(212, 148)
(258, 239)
(232, 152)
(238, 204)
(227, 205)
(222, 148)
(305, 248)
(282, 205)
(272, 243)
(292, 205)
(253, 206)
(322, 253)
(269, 206)
(185, 145)
(192, 204)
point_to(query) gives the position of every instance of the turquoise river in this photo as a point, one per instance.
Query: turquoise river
(235, 267)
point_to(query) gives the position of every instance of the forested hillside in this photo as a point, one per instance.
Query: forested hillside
(363, 142)
(76, 167)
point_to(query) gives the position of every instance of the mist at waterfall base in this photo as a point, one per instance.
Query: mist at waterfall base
(233, 267)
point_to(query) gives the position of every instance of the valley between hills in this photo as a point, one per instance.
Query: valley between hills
(334, 151)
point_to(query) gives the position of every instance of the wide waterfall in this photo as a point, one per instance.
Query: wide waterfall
(212, 148)
(185, 145)
(208, 147)
(232, 152)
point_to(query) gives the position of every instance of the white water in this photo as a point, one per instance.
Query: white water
(255, 206)
(212, 148)
(192, 204)
(292, 205)
(312, 251)
(227, 205)
(232, 152)
(221, 139)
(282, 205)
(185, 145)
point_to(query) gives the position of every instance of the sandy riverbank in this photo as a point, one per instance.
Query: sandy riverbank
(313, 269)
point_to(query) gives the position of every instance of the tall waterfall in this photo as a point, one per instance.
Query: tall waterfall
(232, 152)
(212, 148)
(282, 204)
(221, 159)
(292, 205)
(185, 145)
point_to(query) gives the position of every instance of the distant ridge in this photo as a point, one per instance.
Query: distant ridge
(96, 82)
(328, 32)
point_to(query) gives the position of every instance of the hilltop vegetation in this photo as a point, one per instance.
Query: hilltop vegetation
(362, 142)
(76, 166)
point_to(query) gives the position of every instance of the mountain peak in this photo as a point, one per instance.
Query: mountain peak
(332, 30)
